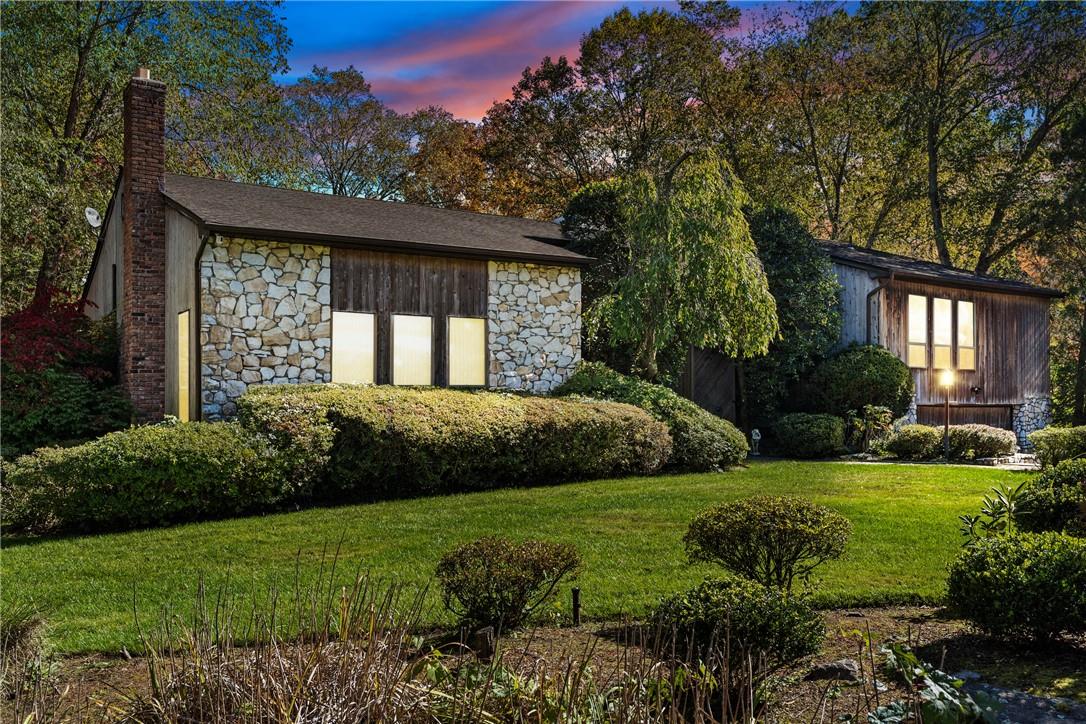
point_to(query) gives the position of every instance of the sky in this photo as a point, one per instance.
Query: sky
(459, 55)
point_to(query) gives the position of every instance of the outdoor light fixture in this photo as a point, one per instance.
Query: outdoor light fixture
(946, 381)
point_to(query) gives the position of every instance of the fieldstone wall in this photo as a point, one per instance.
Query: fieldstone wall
(1033, 414)
(265, 318)
(534, 328)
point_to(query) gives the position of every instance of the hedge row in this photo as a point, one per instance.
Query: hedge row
(1053, 444)
(801, 435)
(967, 442)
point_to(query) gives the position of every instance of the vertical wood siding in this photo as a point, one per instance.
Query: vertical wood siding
(182, 243)
(386, 283)
(856, 284)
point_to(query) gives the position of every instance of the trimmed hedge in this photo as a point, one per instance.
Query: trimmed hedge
(141, 476)
(701, 440)
(967, 442)
(856, 376)
(393, 441)
(801, 435)
(1055, 500)
(914, 442)
(1022, 586)
(1053, 444)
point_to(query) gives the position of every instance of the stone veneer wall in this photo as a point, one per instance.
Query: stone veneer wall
(265, 318)
(1033, 414)
(534, 327)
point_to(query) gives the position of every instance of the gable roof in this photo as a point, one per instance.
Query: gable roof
(908, 268)
(240, 209)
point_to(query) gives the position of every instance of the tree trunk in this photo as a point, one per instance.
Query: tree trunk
(1078, 409)
(934, 199)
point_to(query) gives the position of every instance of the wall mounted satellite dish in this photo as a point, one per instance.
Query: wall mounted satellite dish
(93, 217)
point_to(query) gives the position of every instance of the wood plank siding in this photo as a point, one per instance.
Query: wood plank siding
(858, 325)
(386, 283)
(182, 244)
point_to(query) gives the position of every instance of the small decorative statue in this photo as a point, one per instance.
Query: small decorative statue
(755, 438)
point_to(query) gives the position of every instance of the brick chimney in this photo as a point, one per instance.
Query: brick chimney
(143, 318)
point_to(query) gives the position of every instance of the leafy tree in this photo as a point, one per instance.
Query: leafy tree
(445, 167)
(64, 69)
(805, 288)
(693, 277)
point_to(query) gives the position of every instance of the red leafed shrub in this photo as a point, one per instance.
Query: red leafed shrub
(52, 332)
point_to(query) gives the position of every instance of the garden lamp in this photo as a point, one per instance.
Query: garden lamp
(946, 381)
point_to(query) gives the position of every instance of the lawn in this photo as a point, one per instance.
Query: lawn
(629, 532)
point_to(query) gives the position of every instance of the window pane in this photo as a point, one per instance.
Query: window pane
(918, 355)
(941, 358)
(942, 322)
(918, 320)
(967, 358)
(966, 333)
(467, 351)
(352, 347)
(411, 350)
(183, 366)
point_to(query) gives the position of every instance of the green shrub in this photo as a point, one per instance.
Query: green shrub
(969, 442)
(1053, 444)
(1022, 585)
(701, 440)
(394, 441)
(498, 582)
(801, 435)
(147, 475)
(769, 539)
(735, 623)
(1055, 500)
(915, 442)
(858, 376)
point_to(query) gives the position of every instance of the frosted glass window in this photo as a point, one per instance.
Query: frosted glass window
(942, 333)
(467, 351)
(352, 347)
(412, 350)
(967, 337)
(183, 366)
(918, 331)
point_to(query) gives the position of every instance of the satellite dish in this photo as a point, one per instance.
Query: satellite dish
(93, 217)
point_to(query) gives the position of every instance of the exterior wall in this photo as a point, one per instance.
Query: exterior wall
(102, 285)
(265, 318)
(856, 284)
(182, 245)
(1033, 414)
(534, 328)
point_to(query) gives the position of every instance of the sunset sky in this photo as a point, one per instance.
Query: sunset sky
(460, 55)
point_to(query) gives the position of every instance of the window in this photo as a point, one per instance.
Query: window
(942, 334)
(183, 366)
(467, 351)
(352, 347)
(412, 350)
(967, 337)
(918, 331)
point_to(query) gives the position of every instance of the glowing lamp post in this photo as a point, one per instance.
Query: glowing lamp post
(946, 381)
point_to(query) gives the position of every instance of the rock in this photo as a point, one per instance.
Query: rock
(847, 670)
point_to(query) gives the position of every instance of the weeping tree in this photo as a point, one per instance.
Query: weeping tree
(692, 277)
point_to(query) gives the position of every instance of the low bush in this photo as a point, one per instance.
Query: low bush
(1053, 444)
(701, 440)
(497, 582)
(967, 442)
(1055, 500)
(858, 376)
(1021, 586)
(365, 441)
(147, 475)
(914, 442)
(771, 540)
(801, 435)
(865, 428)
(736, 625)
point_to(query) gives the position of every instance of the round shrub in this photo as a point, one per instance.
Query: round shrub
(801, 435)
(1055, 500)
(969, 442)
(858, 376)
(1022, 586)
(498, 582)
(768, 539)
(915, 442)
(1053, 444)
(148, 475)
(701, 440)
(737, 623)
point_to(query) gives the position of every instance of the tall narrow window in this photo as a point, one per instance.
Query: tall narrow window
(412, 350)
(467, 352)
(942, 334)
(183, 366)
(352, 347)
(918, 331)
(967, 337)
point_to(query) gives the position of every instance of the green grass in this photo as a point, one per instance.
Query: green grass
(629, 532)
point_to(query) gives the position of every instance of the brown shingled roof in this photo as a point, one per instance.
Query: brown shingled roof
(267, 212)
(906, 267)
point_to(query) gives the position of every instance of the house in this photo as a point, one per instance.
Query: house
(992, 333)
(217, 286)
